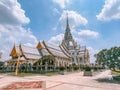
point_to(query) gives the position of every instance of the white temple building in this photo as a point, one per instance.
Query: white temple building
(67, 53)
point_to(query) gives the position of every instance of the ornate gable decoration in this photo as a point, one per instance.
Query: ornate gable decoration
(39, 46)
(14, 51)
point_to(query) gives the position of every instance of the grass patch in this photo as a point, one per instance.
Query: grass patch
(2, 72)
(26, 74)
(23, 74)
(116, 72)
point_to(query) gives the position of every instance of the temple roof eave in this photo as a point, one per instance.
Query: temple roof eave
(55, 51)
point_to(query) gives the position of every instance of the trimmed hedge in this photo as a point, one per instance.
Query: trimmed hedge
(87, 68)
(62, 68)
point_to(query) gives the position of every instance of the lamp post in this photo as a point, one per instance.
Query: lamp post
(16, 71)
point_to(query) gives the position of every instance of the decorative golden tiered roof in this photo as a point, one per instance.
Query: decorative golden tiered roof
(35, 53)
(25, 51)
(14, 51)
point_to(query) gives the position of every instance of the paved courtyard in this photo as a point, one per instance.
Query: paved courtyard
(74, 81)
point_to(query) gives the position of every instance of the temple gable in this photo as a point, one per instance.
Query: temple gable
(14, 52)
(39, 46)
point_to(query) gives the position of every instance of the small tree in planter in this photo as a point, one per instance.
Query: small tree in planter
(75, 68)
(81, 67)
(62, 69)
(69, 68)
(87, 71)
(95, 68)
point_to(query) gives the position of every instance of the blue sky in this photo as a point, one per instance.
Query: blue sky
(94, 23)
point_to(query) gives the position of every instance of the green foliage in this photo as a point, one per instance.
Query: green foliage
(23, 74)
(69, 68)
(87, 68)
(116, 78)
(82, 67)
(47, 58)
(1, 63)
(75, 67)
(62, 68)
(109, 58)
(95, 68)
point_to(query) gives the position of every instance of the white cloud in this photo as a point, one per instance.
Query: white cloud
(56, 39)
(11, 13)
(62, 3)
(110, 11)
(77, 39)
(14, 34)
(88, 34)
(75, 19)
(55, 11)
(12, 17)
(29, 44)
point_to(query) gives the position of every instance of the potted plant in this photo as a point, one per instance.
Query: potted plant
(75, 68)
(87, 71)
(62, 70)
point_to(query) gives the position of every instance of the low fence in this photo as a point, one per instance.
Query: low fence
(41, 68)
(28, 68)
(45, 68)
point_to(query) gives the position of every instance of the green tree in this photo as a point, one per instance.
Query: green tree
(101, 57)
(47, 58)
(109, 57)
(113, 55)
(1, 63)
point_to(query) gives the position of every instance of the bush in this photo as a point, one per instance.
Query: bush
(62, 68)
(69, 68)
(57, 68)
(75, 67)
(95, 68)
(87, 68)
(116, 77)
(81, 67)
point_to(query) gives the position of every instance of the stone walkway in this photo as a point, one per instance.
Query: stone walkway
(74, 81)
